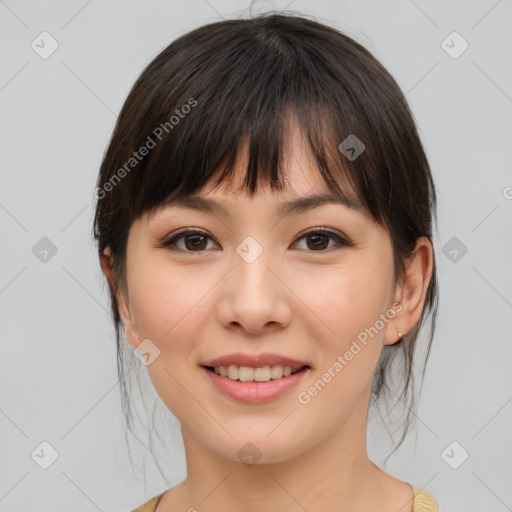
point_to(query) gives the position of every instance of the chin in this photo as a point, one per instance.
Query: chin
(258, 448)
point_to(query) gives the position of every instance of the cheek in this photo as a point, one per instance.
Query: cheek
(170, 310)
(347, 307)
(167, 303)
(172, 307)
(348, 301)
(347, 298)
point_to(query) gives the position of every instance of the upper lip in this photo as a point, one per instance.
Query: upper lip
(255, 361)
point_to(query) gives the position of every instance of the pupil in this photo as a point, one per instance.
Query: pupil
(194, 243)
(318, 243)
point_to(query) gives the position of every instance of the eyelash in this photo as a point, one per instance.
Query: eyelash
(341, 241)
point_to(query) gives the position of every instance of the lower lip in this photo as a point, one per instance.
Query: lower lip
(256, 391)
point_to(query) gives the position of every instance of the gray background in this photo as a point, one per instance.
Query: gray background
(58, 380)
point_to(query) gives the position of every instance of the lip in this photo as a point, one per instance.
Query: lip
(254, 392)
(255, 361)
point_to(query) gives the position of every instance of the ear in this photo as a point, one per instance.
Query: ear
(122, 298)
(412, 292)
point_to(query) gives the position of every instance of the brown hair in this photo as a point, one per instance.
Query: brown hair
(238, 80)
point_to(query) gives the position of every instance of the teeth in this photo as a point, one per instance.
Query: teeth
(276, 372)
(245, 373)
(262, 374)
(232, 372)
(249, 374)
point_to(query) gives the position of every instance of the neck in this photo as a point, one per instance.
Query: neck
(333, 475)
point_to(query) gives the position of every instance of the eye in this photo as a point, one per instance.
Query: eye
(193, 241)
(317, 239)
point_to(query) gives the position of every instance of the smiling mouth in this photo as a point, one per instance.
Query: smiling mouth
(255, 374)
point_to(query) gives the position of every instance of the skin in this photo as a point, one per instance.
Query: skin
(295, 300)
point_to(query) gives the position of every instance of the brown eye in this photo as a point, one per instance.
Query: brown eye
(195, 242)
(189, 241)
(318, 240)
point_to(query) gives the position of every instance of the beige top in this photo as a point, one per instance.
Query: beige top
(423, 502)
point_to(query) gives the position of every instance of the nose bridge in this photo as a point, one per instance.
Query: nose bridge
(251, 270)
(256, 298)
(253, 278)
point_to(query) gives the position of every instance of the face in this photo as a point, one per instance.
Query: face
(312, 289)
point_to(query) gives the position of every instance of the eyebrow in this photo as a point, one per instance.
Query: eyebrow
(292, 206)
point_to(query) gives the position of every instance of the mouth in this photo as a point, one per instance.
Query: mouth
(256, 374)
(255, 377)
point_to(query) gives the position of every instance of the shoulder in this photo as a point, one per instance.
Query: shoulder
(150, 505)
(423, 501)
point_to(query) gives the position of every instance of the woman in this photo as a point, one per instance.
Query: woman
(264, 221)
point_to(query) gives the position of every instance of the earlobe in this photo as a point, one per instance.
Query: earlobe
(127, 317)
(413, 290)
(130, 332)
(131, 335)
(393, 333)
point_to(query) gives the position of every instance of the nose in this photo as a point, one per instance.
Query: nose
(254, 297)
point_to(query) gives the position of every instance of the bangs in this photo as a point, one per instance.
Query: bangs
(265, 154)
(249, 91)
